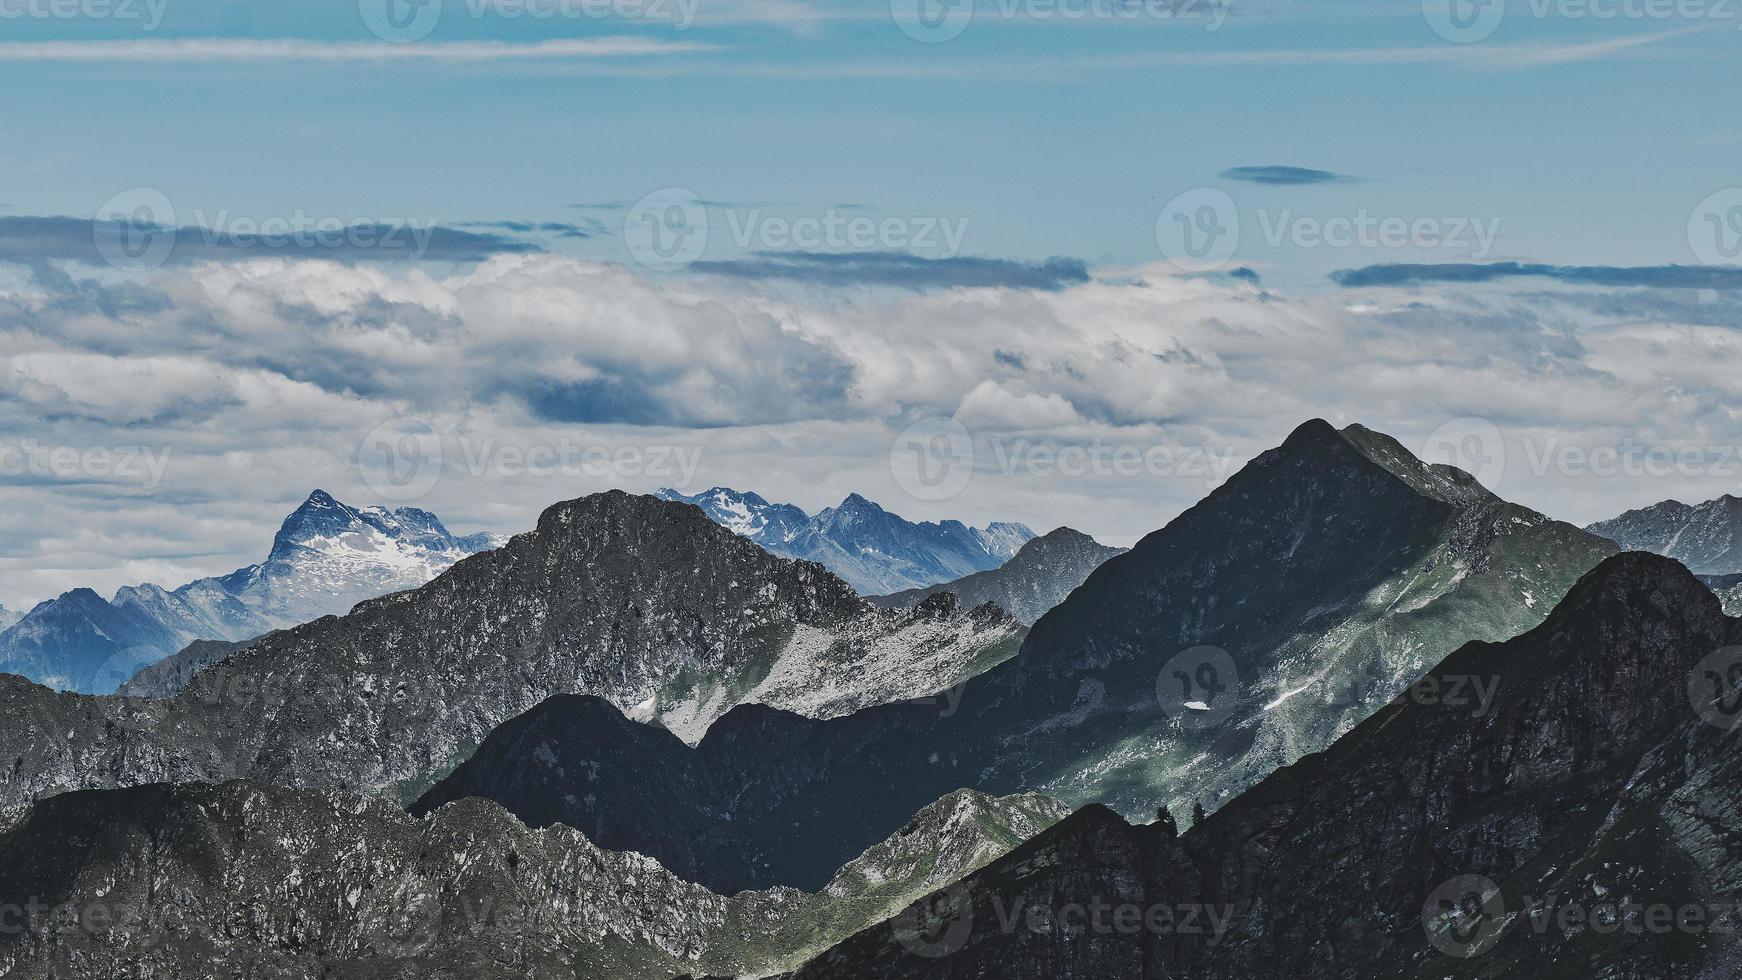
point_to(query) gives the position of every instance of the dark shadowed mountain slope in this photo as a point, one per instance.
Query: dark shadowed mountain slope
(1297, 598)
(645, 603)
(873, 550)
(1556, 830)
(201, 882)
(1035, 579)
(1705, 537)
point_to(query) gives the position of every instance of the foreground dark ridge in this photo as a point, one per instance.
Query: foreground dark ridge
(1594, 790)
(1331, 573)
(646, 603)
(241, 880)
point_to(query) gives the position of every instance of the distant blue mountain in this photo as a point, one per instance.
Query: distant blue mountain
(876, 552)
(326, 558)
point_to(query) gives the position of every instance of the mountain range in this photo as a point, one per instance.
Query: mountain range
(642, 602)
(326, 558)
(874, 551)
(1420, 732)
(1706, 537)
(1292, 602)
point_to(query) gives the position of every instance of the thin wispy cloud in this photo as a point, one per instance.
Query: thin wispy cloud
(1470, 57)
(1646, 277)
(1467, 55)
(31, 240)
(901, 270)
(256, 50)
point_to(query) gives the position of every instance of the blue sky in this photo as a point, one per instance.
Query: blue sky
(768, 246)
(1049, 136)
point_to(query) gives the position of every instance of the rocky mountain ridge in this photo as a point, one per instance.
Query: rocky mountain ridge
(645, 603)
(243, 879)
(1706, 537)
(873, 550)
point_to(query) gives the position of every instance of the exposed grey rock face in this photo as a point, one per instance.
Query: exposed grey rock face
(245, 880)
(1728, 589)
(645, 603)
(874, 551)
(1560, 831)
(1705, 537)
(326, 558)
(1038, 577)
(1327, 575)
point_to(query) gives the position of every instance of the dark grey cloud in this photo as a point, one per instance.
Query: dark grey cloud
(1280, 175)
(1645, 276)
(33, 240)
(585, 228)
(901, 270)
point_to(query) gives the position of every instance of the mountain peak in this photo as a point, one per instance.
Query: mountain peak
(1313, 431)
(857, 502)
